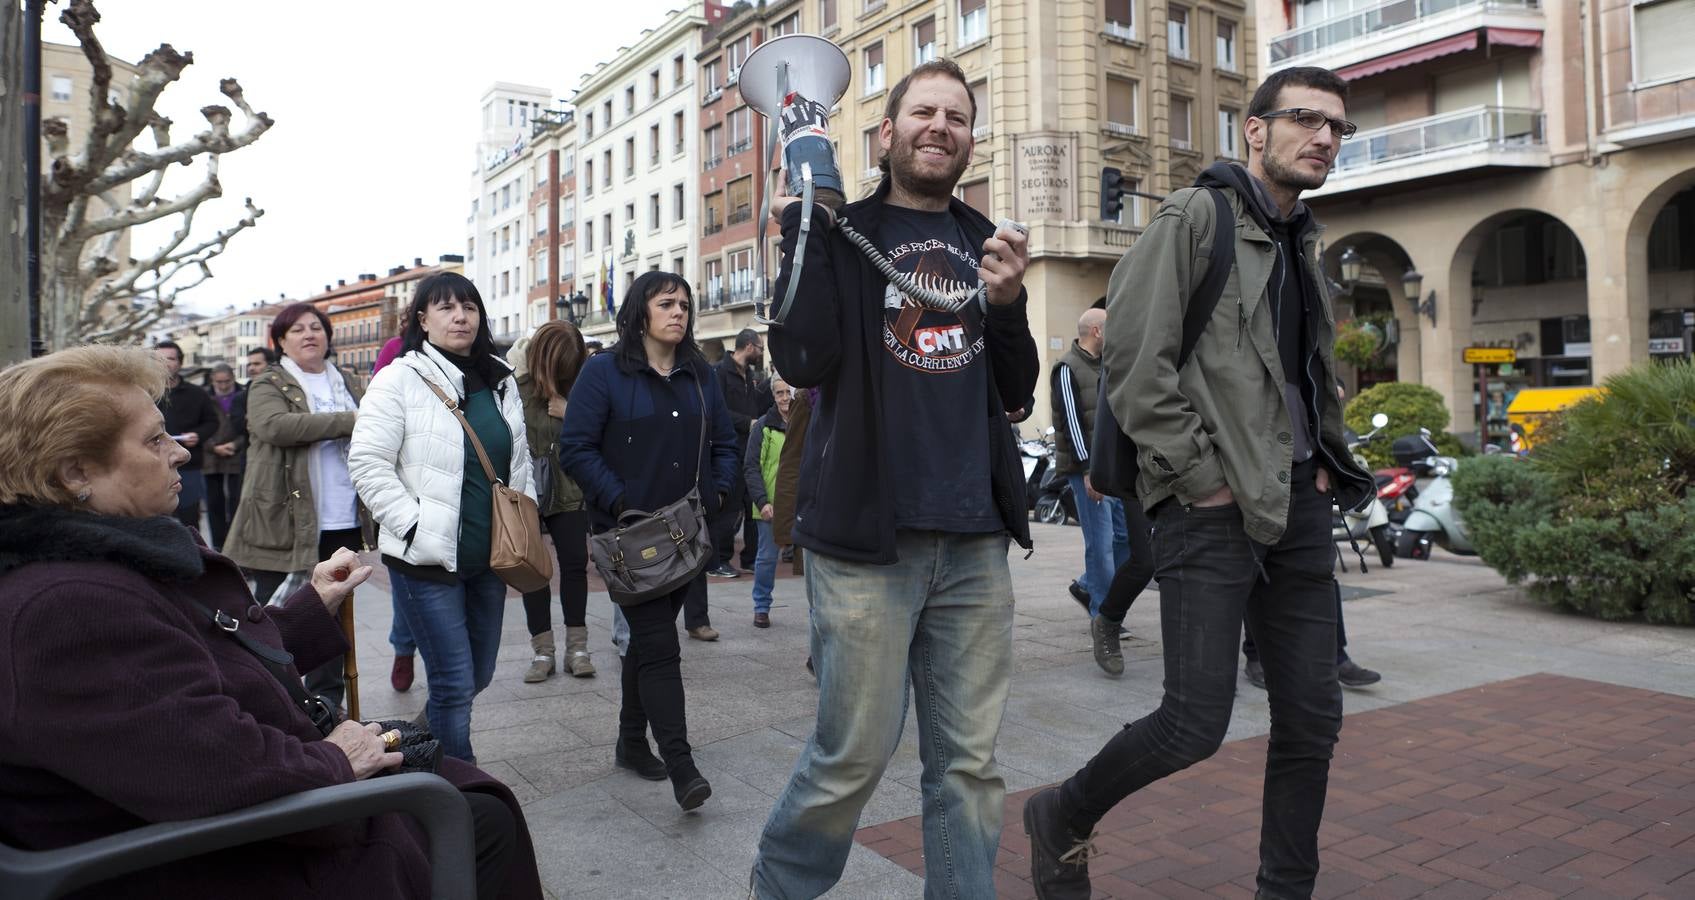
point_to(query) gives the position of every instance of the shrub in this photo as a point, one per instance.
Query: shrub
(1600, 519)
(1409, 407)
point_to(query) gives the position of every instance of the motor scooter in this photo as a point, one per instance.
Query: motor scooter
(1434, 521)
(1037, 455)
(1055, 504)
(1373, 523)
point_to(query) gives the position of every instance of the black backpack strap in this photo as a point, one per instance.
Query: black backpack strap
(1205, 299)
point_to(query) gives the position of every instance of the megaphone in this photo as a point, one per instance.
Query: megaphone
(791, 81)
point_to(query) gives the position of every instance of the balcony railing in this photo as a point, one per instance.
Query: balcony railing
(713, 162)
(741, 291)
(1480, 127)
(742, 214)
(712, 96)
(1373, 21)
(711, 229)
(740, 146)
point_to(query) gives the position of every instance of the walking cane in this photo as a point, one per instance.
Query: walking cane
(349, 660)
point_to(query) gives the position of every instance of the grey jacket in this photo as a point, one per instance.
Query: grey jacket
(1224, 419)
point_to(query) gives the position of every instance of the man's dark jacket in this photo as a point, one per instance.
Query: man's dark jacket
(188, 407)
(832, 340)
(745, 395)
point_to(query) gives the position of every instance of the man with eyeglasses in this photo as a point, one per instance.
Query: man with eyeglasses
(1240, 452)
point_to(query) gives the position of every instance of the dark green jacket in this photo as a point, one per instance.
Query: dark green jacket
(1224, 419)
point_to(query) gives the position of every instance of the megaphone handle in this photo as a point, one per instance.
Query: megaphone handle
(771, 141)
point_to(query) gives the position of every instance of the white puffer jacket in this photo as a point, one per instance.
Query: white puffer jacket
(407, 457)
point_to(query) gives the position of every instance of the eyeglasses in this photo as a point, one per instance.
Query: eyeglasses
(1313, 120)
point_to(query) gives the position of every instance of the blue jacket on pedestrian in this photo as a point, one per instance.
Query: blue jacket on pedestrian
(630, 434)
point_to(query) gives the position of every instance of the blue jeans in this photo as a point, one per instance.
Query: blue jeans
(764, 568)
(399, 635)
(457, 628)
(941, 617)
(1106, 541)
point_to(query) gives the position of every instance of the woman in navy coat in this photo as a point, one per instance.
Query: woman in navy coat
(633, 427)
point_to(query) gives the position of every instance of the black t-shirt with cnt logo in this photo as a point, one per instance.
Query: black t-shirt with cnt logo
(936, 383)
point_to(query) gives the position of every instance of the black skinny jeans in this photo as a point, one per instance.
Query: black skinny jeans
(326, 679)
(1252, 652)
(570, 533)
(1212, 577)
(724, 521)
(652, 678)
(1131, 578)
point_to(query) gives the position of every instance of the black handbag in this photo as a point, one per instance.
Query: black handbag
(650, 554)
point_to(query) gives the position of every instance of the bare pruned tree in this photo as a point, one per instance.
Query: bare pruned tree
(87, 294)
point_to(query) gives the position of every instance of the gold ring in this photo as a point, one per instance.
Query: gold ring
(391, 739)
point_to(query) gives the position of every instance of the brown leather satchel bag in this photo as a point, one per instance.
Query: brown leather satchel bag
(516, 551)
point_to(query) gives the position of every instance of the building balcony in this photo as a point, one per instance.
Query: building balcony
(1477, 138)
(740, 215)
(711, 229)
(713, 162)
(1392, 27)
(741, 146)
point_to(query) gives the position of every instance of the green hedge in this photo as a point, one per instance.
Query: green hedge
(1600, 518)
(1409, 407)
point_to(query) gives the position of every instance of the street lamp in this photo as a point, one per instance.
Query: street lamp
(579, 307)
(1351, 263)
(1412, 282)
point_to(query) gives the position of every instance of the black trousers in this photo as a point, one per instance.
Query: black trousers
(1212, 579)
(570, 533)
(494, 831)
(223, 494)
(1252, 652)
(652, 678)
(726, 519)
(326, 679)
(1132, 577)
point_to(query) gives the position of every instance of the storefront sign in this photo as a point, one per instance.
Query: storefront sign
(1489, 356)
(1044, 176)
(1665, 345)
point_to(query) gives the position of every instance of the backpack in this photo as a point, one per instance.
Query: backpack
(1113, 466)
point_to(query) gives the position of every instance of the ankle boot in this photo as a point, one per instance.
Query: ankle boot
(577, 660)
(634, 754)
(688, 785)
(541, 665)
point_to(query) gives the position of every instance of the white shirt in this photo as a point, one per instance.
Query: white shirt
(332, 489)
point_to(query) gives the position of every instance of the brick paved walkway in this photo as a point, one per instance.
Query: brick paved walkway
(1540, 786)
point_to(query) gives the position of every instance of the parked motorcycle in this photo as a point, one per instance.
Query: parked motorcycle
(1055, 504)
(1434, 521)
(1372, 524)
(1037, 456)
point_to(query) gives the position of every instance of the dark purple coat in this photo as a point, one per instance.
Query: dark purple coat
(121, 705)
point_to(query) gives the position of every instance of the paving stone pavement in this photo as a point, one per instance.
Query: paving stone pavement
(1449, 626)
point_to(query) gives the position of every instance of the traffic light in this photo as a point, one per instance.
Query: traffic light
(1112, 193)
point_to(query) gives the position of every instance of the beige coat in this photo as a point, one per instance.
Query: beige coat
(276, 526)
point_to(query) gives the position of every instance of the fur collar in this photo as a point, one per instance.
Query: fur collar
(159, 548)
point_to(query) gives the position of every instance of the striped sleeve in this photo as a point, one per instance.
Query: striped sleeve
(1073, 420)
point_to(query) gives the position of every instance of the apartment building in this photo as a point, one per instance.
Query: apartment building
(497, 248)
(637, 185)
(550, 219)
(1063, 88)
(1523, 178)
(733, 179)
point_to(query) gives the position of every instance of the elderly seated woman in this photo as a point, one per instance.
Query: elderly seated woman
(122, 702)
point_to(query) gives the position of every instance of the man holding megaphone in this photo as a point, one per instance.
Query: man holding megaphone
(909, 316)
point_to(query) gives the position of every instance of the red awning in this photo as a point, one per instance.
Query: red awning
(1459, 43)
(1515, 37)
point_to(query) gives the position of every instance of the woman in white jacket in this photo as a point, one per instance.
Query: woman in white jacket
(417, 472)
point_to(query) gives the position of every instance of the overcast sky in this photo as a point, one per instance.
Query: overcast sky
(375, 103)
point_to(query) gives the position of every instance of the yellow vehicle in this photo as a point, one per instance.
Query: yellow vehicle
(1534, 405)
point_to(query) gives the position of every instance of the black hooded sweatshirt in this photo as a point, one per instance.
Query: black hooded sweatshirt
(1291, 291)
